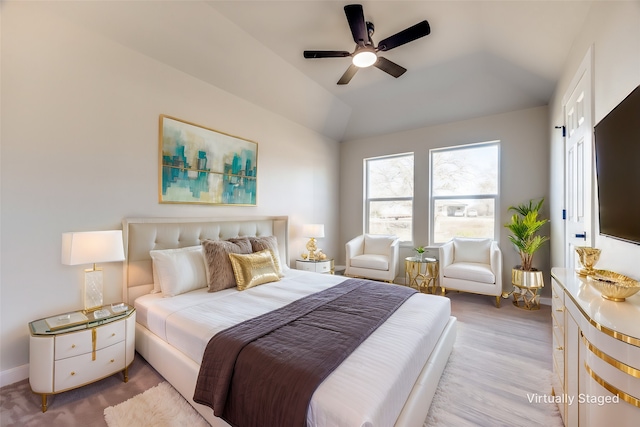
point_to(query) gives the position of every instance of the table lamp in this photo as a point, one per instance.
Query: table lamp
(92, 247)
(313, 232)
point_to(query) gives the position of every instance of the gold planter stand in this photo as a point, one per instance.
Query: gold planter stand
(526, 288)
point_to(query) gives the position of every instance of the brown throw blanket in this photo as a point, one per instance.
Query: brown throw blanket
(263, 372)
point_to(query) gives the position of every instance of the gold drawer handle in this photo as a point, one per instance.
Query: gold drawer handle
(113, 360)
(113, 334)
(560, 348)
(72, 373)
(561, 309)
(73, 346)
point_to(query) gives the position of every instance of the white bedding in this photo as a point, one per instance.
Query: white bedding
(368, 389)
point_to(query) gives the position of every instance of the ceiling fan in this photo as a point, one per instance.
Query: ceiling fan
(365, 53)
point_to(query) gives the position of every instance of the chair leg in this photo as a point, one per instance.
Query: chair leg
(498, 301)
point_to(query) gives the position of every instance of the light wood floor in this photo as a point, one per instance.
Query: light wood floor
(501, 356)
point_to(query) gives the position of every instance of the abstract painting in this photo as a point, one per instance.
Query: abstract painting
(200, 165)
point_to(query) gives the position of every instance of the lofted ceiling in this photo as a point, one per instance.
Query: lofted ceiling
(481, 58)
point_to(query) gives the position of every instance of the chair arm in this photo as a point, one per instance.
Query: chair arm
(446, 254)
(394, 253)
(496, 263)
(354, 247)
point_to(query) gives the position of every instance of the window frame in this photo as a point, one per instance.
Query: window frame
(367, 200)
(496, 197)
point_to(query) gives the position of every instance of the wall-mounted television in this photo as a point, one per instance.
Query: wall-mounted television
(617, 144)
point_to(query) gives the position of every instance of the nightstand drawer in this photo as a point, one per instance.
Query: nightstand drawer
(73, 344)
(305, 266)
(323, 267)
(76, 343)
(79, 370)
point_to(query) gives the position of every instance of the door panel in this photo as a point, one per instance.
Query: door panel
(578, 169)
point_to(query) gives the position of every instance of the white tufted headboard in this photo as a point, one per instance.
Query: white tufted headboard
(142, 235)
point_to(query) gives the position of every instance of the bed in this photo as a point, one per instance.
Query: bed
(390, 379)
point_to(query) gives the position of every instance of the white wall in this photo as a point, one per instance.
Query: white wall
(612, 29)
(524, 174)
(80, 152)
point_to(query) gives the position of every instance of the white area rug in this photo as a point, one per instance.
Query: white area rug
(160, 406)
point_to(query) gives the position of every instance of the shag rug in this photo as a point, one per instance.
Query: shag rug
(160, 406)
(482, 387)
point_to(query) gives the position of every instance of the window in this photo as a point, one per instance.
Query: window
(389, 196)
(464, 192)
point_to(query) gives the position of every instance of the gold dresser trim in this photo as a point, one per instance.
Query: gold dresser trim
(610, 360)
(614, 334)
(624, 396)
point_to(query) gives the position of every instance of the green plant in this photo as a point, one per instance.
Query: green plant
(419, 249)
(524, 227)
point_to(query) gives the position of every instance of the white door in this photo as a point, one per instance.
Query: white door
(578, 165)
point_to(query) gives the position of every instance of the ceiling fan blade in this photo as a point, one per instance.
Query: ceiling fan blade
(389, 67)
(348, 75)
(355, 17)
(410, 34)
(326, 53)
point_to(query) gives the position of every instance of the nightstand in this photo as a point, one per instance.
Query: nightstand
(320, 266)
(74, 349)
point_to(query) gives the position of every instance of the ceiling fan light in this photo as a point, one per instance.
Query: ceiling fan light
(364, 58)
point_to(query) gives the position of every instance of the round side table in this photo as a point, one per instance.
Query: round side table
(421, 274)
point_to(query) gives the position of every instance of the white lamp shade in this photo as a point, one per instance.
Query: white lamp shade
(90, 247)
(313, 230)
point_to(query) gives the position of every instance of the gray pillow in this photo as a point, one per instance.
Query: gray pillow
(271, 243)
(218, 265)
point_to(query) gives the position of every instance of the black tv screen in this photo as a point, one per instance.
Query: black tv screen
(617, 144)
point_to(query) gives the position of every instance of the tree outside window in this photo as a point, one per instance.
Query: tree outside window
(464, 192)
(389, 196)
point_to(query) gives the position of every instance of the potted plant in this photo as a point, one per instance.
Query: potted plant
(420, 251)
(524, 227)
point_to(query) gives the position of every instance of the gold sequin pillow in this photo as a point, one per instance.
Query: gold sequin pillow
(253, 269)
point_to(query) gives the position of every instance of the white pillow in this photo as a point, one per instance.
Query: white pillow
(378, 245)
(177, 271)
(471, 250)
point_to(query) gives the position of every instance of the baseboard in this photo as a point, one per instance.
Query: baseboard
(545, 300)
(13, 375)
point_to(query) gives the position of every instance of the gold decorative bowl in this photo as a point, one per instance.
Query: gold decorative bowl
(613, 286)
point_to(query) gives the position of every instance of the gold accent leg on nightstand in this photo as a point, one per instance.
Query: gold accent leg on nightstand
(126, 374)
(44, 402)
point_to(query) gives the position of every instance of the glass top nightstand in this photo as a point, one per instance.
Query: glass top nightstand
(78, 320)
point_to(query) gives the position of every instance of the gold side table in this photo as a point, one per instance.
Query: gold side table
(421, 274)
(526, 297)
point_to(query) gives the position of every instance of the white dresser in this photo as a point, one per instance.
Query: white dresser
(596, 354)
(66, 357)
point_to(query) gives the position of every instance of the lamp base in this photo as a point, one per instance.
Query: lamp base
(92, 292)
(311, 248)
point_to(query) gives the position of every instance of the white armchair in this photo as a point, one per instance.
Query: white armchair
(373, 257)
(472, 265)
